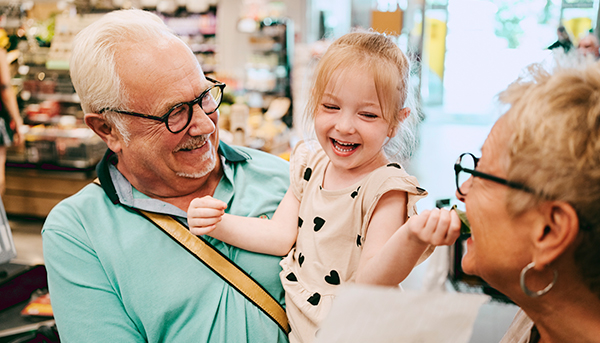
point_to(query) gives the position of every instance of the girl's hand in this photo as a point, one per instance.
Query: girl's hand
(435, 227)
(204, 214)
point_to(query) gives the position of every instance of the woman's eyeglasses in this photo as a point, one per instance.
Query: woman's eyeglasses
(180, 115)
(465, 167)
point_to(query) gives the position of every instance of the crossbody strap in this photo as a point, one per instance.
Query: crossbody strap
(220, 264)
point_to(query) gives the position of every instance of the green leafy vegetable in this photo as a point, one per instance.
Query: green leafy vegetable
(465, 227)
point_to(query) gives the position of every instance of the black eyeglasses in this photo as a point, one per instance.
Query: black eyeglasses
(465, 167)
(180, 115)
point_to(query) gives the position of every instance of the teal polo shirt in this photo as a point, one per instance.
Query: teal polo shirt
(114, 277)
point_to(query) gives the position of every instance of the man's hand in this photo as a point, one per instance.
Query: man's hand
(435, 227)
(204, 214)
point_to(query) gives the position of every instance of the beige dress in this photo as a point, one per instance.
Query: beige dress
(331, 231)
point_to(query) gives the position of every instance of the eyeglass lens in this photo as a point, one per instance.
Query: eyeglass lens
(180, 116)
(466, 162)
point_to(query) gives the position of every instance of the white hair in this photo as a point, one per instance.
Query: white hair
(92, 64)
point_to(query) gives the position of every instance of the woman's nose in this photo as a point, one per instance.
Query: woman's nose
(460, 196)
(464, 189)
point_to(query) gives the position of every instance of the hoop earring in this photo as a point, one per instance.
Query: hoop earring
(541, 292)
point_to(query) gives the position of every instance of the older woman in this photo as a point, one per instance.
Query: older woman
(533, 201)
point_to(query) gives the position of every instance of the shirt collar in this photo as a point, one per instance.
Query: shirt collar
(115, 185)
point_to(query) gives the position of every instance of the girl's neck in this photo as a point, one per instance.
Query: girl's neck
(339, 178)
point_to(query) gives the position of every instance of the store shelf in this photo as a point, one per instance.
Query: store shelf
(34, 192)
(268, 67)
(198, 31)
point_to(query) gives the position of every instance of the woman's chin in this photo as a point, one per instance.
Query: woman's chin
(468, 264)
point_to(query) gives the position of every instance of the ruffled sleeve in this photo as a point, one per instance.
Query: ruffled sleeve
(393, 178)
(299, 171)
(390, 178)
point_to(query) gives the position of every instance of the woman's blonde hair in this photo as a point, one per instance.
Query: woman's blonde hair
(381, 56)
(554, 148)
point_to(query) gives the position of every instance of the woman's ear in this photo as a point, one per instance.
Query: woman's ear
(102, 128)
(402, 115)
(558, 234)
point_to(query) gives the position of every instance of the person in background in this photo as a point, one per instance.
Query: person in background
(563, 41)
(9, 113)
(345, 214)
(115, 277)
(589, 46)
(533, 199)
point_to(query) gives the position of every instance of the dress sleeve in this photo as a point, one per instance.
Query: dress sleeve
(298, 168)
(392, 178)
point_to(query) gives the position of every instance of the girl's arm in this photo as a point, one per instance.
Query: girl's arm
(389, 254)
(274, 236)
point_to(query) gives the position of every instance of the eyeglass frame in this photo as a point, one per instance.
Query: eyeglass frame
(583, 224)
(458, 168)
(164, 118)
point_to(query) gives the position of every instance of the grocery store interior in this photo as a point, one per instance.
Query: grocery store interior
(463, 52)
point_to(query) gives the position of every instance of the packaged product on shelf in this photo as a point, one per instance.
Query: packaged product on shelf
(76, 147)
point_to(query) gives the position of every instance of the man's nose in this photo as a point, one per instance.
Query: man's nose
(201, 123)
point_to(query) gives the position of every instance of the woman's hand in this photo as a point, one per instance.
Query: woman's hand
(435, 227)
(18, 137)
(204, 214)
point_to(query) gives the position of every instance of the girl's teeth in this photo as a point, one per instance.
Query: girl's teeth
(342, 146)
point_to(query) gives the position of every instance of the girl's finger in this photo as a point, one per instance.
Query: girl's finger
(207, 202)
(199, 231)
(430, 226)
(416, 223)
(441, 229)
(454, 230)
(205, 212)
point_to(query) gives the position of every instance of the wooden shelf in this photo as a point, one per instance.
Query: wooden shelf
(34, 192)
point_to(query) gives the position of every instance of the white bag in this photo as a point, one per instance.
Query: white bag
(384, 314)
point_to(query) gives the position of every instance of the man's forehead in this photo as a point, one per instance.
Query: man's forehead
(159, 78)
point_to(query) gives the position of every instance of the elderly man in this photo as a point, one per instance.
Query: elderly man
(588, 45)
(113, 275)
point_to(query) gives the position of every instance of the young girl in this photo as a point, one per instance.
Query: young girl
(347, 199)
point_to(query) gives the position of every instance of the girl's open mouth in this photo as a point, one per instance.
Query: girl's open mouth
(343, 147)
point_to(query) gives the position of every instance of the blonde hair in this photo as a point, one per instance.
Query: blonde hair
(554, 149)
(92, 65)
(390, 68)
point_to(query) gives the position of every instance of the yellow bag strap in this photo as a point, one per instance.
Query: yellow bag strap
(220, 264)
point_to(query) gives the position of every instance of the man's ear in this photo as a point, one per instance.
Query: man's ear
(102, 128)
(402, 115)
(557, 235)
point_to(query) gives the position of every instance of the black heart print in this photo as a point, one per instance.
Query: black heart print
(300, 221)
(307, 174)
(395, 165)
(300, 259)
(333, 278)
(314, 299)
(319, 222)
(292, 277)
(358, 242)
(355, 193)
